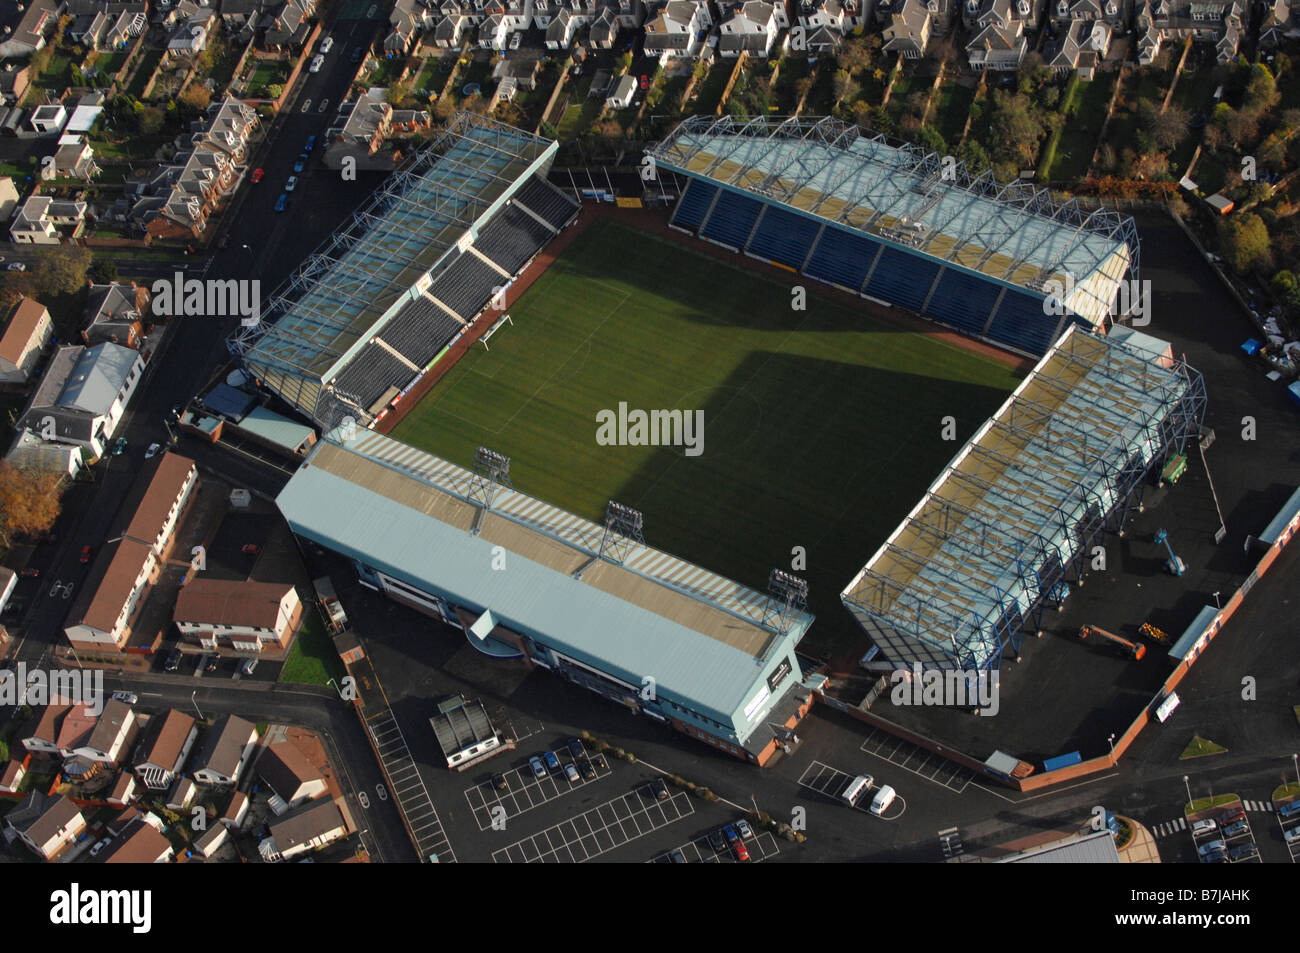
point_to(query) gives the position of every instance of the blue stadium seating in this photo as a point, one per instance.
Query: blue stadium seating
(784, 236)
(963, 300)
(732, 219)
(545, 200)
(695, 202)
(1021, 323)
(842, 258)
(903, 279)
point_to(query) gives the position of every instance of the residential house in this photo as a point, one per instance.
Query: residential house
(8, 198)
(1277, 25)
(620, 96)
(978, 14)
(1206, 21)
(311, 827)
(48, 825)
(49, 118)
(110, 735)
(11, 779)
(162, 492)
(246, 616)
(562, 29)
(240, 17)
(1083, 48)
(138, 843)
(227, 748)
(83, 394)
(41, 734)
(288, 26)
(30, 452)
(181, 795)
(1116, 13)
(407, 21)
(25, 28)
(164, 748)
(449, 32)
(494, 34)
(909, 30)
(43, 220)
(677, 29)
(603, 29)
(1000, 43)
(289, 774)
(368, 121)
(14, 82)
(211, 840)
(630, 14)
(750, 29)
(26, 336)
(115, 313)
(825, 23)
(75, 159)
(123, 790)
(236, 811)
(105, 608)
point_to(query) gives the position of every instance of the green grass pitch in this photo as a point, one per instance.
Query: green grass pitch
(822, 427)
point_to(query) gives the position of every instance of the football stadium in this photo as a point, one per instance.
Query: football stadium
(822, 424)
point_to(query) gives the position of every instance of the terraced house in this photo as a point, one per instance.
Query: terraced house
(1000, 41)
(1206, 21)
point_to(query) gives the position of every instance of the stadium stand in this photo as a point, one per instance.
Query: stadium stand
(512, 238)
(419, 331)
(545, 200)
(466, 286)
(848, 208)
(370, 374)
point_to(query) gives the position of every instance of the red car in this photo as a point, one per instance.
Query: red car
(27, 572)
(742, 853)
(256, 176)
(251, 549)
(85, 554)
(645, 81)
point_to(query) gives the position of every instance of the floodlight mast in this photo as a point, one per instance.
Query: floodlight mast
(788, 597)
(622, 535)
(491, 473)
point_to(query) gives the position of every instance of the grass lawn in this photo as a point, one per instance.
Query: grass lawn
(1081, 130)
(1199, 747)
(709, 90)
(1205, 803)
(312, 659)
(821, 426)
(110, 63)
(149, 61)
(951, 108)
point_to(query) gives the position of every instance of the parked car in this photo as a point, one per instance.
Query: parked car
(552, 761)
(742, 852)
(587, 770)
(301, 163)
(249, 667)
(1234, 829)
(1291, 835)
(499, 782)
(676, 856)
(317, 62)
(1215, 857)
(539, 769)
(214, 663)
(729, 831)
(1231, 814)
(515, 39)
(250, 549)
(658, 790)
(1243, 852)
(1211, 847)
(28, 572)
(644, 81)
(153, 450)
(282, 202)
(17, 266)
(575, 748)
(86, 553)
(717, 841)
(571, 772)
(291, 184)
(257, 176)
(357, 54)
(742, 825)
(173, 661)
(311, 144)
(119, 446)
(884, 797)
(1206, 825)
(327, 44)
(598, 761)
(1287, 810)
(128, 698)
(100, 845)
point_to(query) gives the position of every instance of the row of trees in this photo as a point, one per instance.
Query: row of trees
(29, 502)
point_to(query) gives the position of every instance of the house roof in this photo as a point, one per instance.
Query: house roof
(116, 301)
(77, 725)
(285, 768)
(162, 487)
(24, 320)
(125, 781)
(111, 581)
(310, 821)
(55, 813)
(167, 734)
(224, 745)
(13, 772)
(45, 726)
(111, 719)
(207, 601)
(138, 843)
(97, 377)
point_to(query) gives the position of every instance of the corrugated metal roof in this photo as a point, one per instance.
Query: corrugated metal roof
(1098, 848)
(406, 512)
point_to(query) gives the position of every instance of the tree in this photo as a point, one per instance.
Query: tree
(1170, 127)
(197, 96)
(1286, 288)
(929, 137)
(842, 86)
(397, 93)
(856, 55)
(802, 86)
(29, 502)
(1261, 91)
(151, 120)
(1244, 239)
(61, 269)
(102, 271)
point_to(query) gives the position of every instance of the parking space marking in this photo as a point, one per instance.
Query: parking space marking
(408, 787)
(556, 844)
(899, 753)
(699, 851)
(832, 782)
(524, 792)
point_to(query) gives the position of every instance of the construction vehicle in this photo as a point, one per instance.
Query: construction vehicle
(1134, 650)
(332, 609)
(1158, 636)
(1173, 565)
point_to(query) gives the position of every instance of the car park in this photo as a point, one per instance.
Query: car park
(282, 202)
(742, 825)
(539, 769)
(173, 661)
(571, 772)
(327, 44)
(128, 698)
(717, 841)
(291, 184)
(552, 762)
(1235, 829)
(575, 748)
(1205, 825)
(742, 852)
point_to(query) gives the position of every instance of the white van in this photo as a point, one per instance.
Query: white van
(857, 787)
(884, 797)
